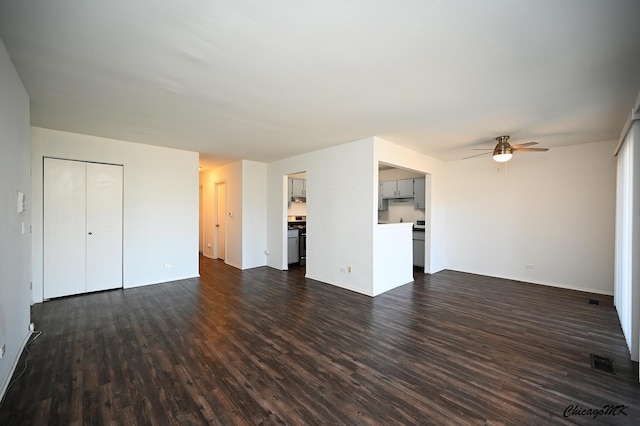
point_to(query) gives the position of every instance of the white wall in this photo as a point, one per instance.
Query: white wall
(15, 273)
(342, 200)
(401, 209)
(254, 214)
(392, 256)
(297, 209)
(160, 204)
(396, 174)
(340, 213)
(553, 211)
(246, 232)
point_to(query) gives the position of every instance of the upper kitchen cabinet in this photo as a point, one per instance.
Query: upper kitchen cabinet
(402, 188)
(405, 188)
(388, 189)
(419, 193)
(383, 204)
(297, 187)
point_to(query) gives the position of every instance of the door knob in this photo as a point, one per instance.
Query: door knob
(90, 233)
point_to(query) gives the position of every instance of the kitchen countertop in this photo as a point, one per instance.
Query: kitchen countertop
(399, 224)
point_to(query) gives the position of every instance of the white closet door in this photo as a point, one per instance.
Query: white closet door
(104, 227)
(64, 227)
(82, 227)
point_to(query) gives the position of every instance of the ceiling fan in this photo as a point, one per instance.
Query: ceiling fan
(504, 151)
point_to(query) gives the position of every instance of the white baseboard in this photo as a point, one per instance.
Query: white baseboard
(12, 370)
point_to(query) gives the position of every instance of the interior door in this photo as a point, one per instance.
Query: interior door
(65, 188)
(221, 216)
(104, 227)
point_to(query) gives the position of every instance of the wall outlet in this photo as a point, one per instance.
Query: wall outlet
(2, 350)
(168, 265)
(343, 270)
(349, 269)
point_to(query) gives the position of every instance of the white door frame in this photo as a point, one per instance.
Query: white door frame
(220, 231)
(201, 239)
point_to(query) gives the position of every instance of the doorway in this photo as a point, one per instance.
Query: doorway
(220, 221)
(296, 254)
(404, 195)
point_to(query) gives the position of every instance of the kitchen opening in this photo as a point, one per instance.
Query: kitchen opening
(403, 197)
(297, 221)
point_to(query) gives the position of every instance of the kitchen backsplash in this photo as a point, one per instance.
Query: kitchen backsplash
(297, 209)
(401, 209)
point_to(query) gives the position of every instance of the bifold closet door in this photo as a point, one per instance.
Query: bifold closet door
(82, 227)
(104, 227)
(65, 192)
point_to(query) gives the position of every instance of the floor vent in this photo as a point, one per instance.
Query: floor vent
(594, 302)
(601, 363)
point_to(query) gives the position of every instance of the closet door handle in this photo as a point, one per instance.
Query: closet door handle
(90, 233)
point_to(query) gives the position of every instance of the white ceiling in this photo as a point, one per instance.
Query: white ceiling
(264, 80)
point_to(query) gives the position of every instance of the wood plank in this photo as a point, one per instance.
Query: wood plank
(264, 346)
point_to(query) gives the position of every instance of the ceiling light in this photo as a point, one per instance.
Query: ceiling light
(503, 151)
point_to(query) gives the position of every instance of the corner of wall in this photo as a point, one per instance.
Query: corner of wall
(15, 250)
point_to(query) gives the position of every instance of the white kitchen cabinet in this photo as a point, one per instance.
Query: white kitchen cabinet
(402, 188)
(405, 188)
(293, 246)
(388, 189)
(82, 227)
(418, 248)
(383, 204)
(298, 188)
(419, 193)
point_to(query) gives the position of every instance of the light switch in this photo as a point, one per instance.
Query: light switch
(20, 203)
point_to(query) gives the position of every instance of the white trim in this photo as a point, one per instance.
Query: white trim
(538, 282)
(633, 116)
(233, 264)
(170, 280)
(12, 370)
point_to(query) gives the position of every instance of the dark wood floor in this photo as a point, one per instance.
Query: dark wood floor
(264, 346)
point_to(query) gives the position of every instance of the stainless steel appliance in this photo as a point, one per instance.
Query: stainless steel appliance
(300, 223)
(295, 222)
(303, 245)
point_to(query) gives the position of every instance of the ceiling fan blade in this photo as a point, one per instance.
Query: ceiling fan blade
(524, 144)
(531, 149)
(477, 155)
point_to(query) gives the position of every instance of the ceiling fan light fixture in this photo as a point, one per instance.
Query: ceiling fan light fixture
(503, 151)
(502, 158)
